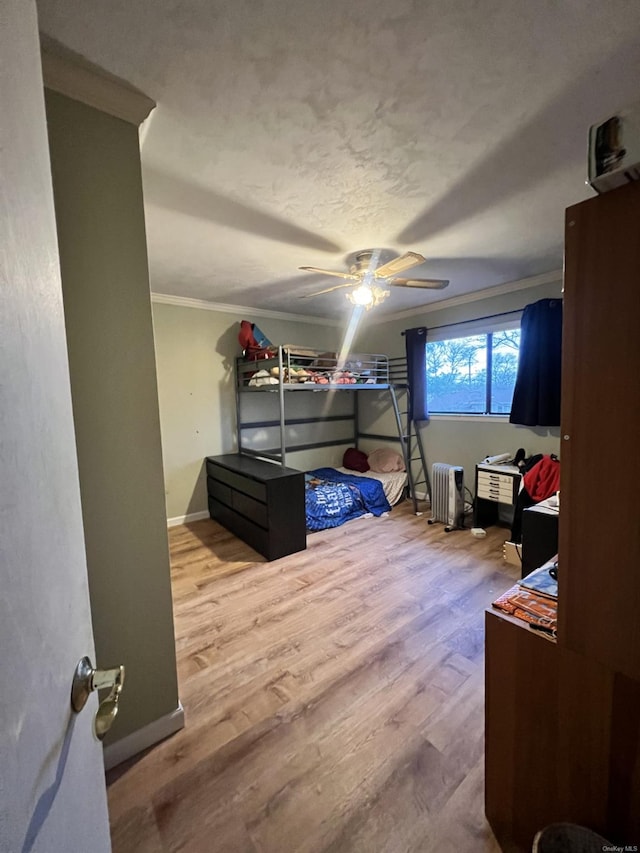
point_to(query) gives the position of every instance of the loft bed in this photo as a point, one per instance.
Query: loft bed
(291, 370)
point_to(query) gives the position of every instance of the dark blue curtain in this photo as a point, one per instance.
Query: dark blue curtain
(416, 343)
(536, 396)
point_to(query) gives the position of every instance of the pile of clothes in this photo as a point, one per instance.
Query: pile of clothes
(540, 480)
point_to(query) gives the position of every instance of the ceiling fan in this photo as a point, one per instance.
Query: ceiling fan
(370, 284)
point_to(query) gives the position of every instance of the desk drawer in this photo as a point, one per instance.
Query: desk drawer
(495, 493)
(490, 479)
(496, 487)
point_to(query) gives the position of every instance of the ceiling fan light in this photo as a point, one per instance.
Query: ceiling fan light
(366, 296)
(380, 294)
(362, 296)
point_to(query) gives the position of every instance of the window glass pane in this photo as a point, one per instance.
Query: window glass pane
(504, 367)
(457, 375)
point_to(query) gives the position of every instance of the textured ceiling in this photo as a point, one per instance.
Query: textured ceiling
(292, 133)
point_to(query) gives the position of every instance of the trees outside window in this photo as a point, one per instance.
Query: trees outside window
(473, 375)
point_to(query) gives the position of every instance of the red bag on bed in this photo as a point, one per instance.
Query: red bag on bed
(355, 460)
(254, 343)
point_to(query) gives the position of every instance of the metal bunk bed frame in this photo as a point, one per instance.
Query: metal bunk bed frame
(376, 372)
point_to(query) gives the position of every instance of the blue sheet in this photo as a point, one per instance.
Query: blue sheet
(331, 498)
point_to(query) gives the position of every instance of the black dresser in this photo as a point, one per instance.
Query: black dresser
(262, 503)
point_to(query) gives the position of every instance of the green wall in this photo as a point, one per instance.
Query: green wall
(100, 219)
(195, 350)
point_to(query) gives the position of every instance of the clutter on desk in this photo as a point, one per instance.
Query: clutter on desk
(529, 607)
(534, 599)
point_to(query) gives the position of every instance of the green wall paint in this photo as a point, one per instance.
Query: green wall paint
(195, 351)
(100, 219)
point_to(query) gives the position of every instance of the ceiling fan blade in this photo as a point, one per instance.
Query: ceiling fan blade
(424, 283)
(346, 275)
(328, 290)
(398, 265)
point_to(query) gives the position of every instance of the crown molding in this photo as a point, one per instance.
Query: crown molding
(239, 310)
(475, 296)
(70, 74)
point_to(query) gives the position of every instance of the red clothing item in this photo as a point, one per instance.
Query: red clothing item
(543, 480)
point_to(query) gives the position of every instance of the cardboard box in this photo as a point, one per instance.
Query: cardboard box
(512, 553)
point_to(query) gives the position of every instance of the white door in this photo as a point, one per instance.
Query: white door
(52, 791)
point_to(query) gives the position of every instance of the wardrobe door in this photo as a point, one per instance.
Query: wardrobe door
(599, 542)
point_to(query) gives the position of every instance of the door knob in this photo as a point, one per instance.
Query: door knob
(86, 679)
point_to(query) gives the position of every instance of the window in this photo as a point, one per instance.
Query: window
(474, 375)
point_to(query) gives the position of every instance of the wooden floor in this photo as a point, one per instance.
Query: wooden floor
(334, 698)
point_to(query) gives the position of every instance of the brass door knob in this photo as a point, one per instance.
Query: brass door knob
(86, 679)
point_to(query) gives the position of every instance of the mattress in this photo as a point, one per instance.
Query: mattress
(333, 497)
(393, 483)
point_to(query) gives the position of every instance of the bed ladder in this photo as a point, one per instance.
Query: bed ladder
(408, 433)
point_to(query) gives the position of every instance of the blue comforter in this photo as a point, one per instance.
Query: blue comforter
(331, 498)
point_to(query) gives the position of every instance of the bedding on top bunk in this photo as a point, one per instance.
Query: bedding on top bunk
(333, 497)
(313, 376)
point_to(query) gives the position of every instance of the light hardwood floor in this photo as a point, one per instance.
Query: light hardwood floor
(334, 698)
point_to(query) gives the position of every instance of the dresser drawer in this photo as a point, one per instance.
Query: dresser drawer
(252, 509)
(249, 532)
(237, 481)
(218, 490)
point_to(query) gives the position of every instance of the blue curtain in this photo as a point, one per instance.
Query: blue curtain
(536, 396)
(416, 343)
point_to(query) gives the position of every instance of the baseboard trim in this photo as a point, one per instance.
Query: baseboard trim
(185, 519)
(169, 724)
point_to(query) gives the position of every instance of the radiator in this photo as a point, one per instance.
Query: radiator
(447, 495)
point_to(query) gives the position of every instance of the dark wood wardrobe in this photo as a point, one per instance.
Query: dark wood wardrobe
(563, 718)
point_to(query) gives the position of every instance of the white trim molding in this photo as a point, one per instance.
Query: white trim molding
(169, 724)
(474, 296)
(185, 519)
(70, 74)
(239, 310)
(462, 416)
(372, 320)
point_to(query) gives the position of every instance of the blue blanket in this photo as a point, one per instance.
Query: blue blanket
(331, 498)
